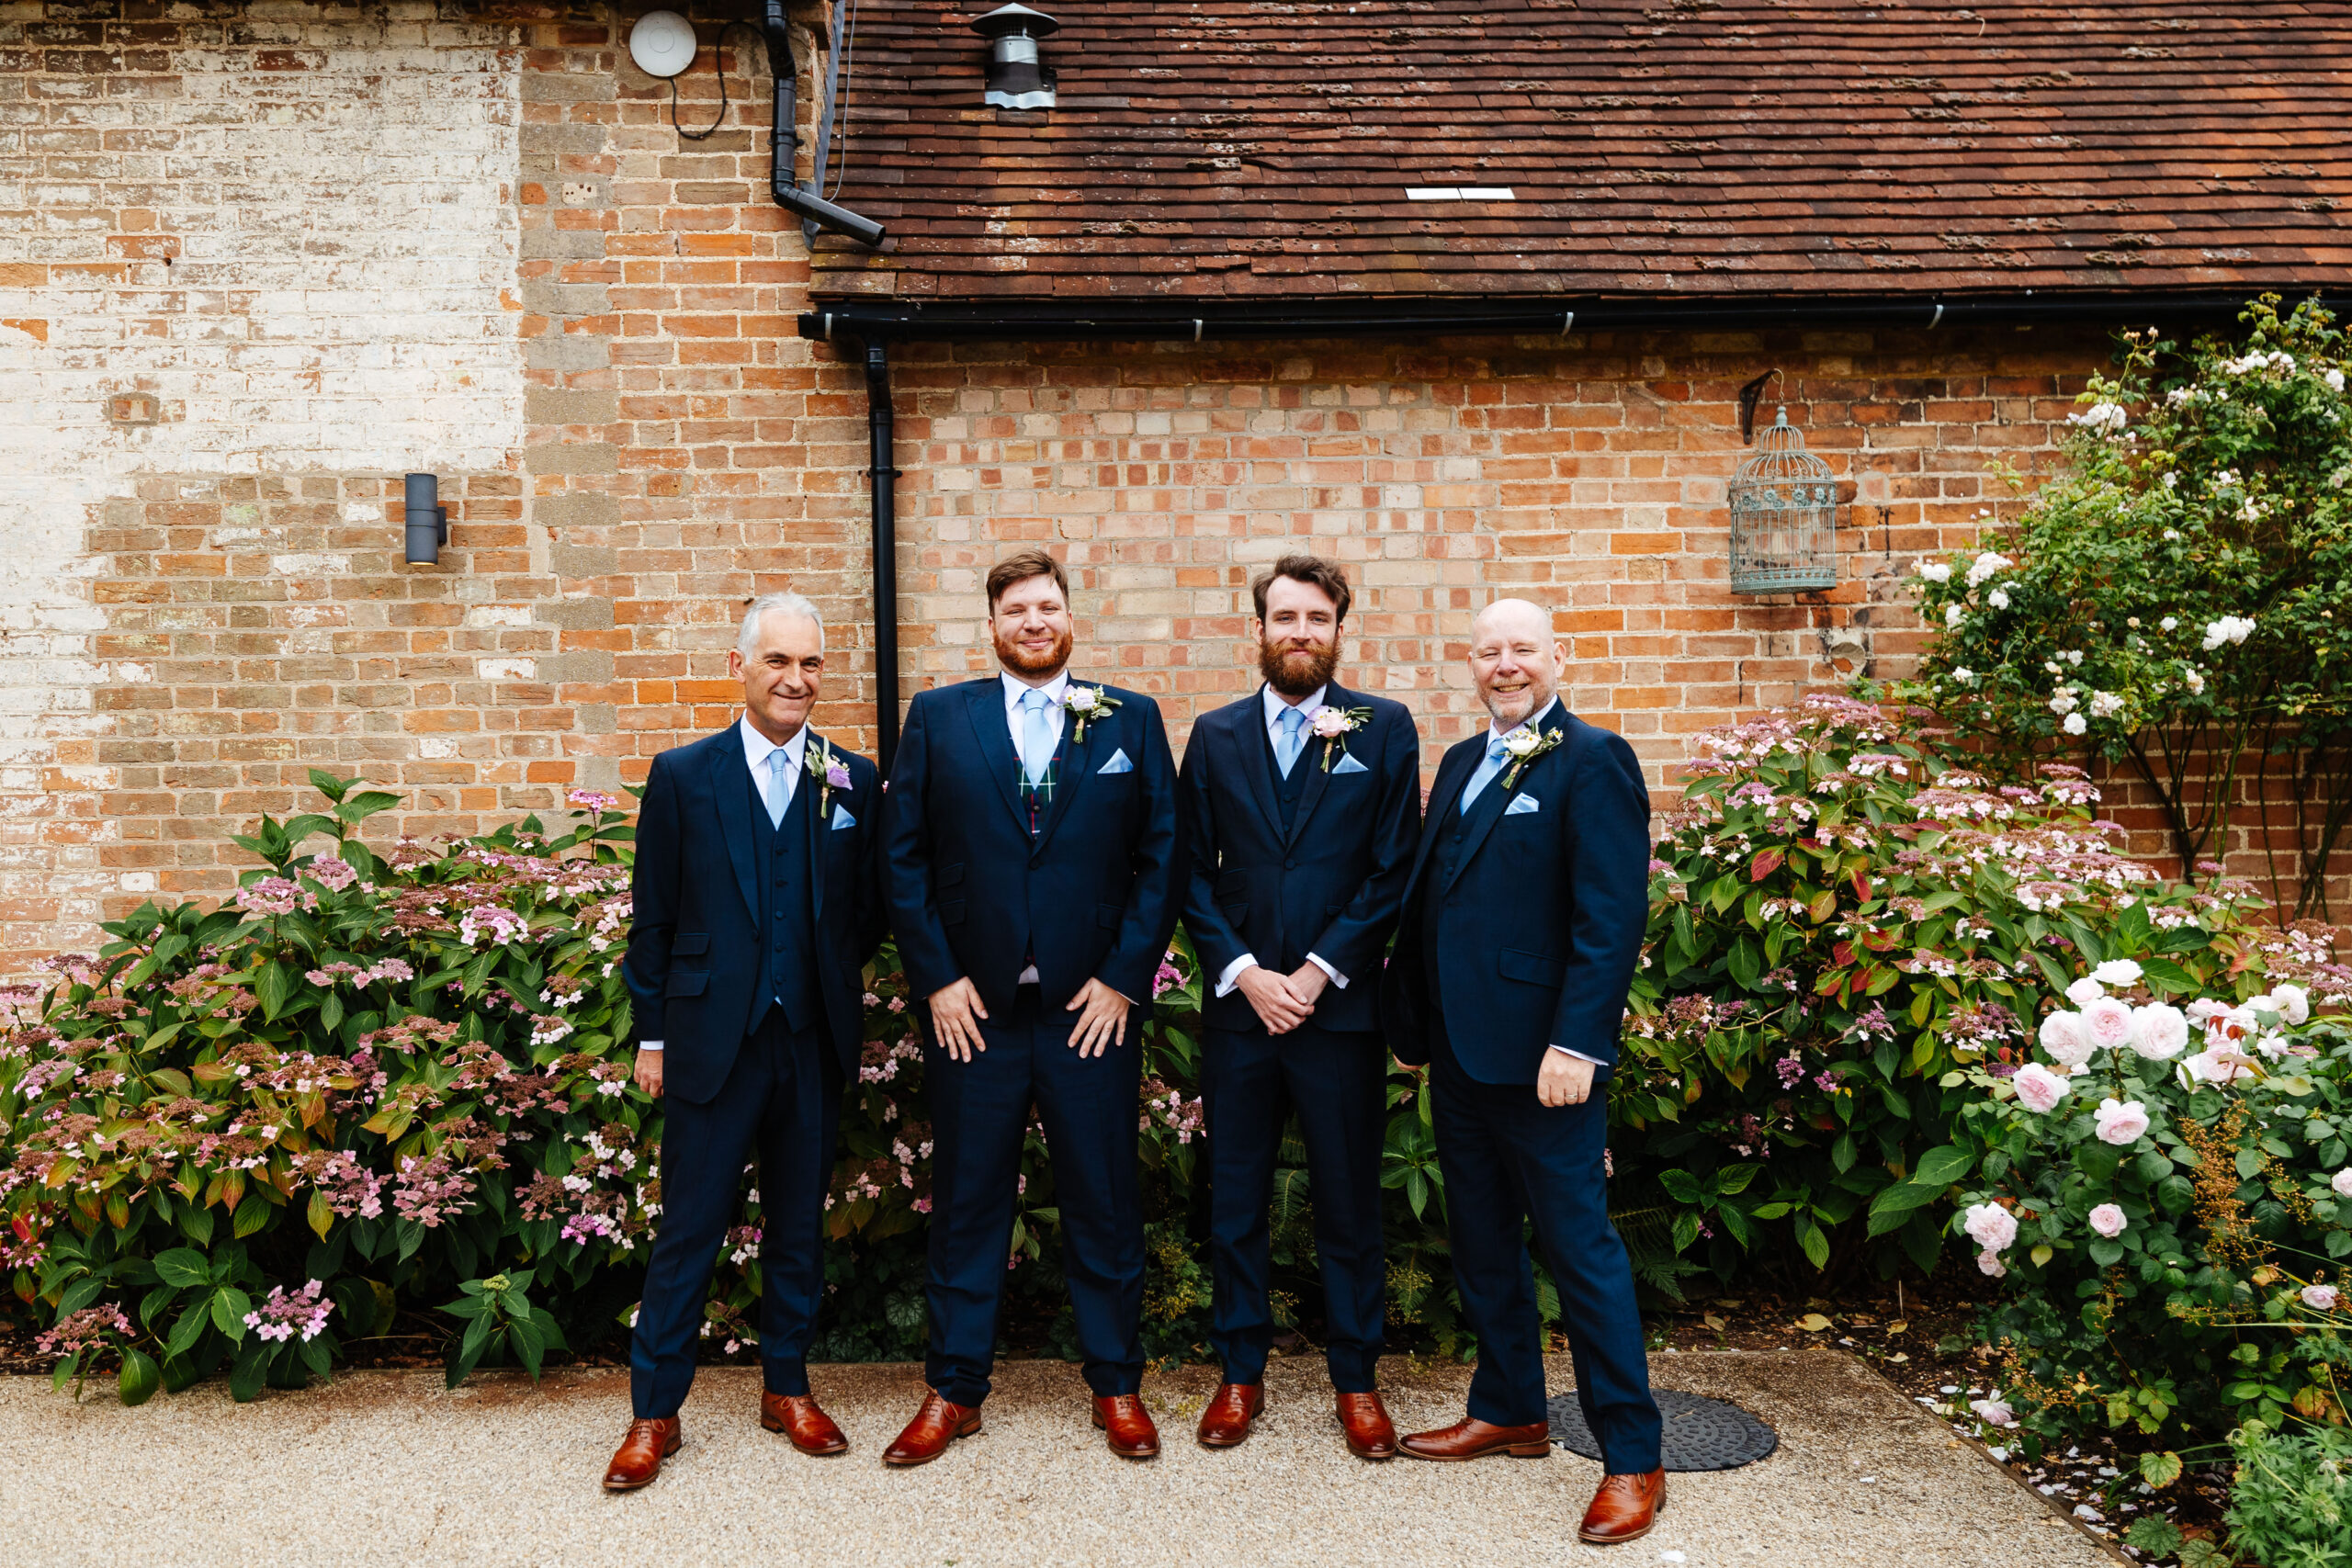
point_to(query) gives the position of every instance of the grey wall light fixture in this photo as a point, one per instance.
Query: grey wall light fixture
(428, 520)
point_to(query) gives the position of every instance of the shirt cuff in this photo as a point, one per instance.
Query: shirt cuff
(1233, 972)
(649, 1045)
(1320, 962)
(1579, 1055)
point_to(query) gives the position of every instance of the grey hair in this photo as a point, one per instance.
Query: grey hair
(747, 641)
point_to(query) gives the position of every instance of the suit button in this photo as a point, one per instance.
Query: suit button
(1290, 865)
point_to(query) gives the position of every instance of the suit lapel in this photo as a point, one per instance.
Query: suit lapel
(730, 779)
(984, 706)
(1077, 766)
(1257, 761)
(1334, 696)
(1487, 810)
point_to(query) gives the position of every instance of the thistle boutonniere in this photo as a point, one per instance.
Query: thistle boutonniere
(1334, 725)
(825, 766)
(1524, 746)
(1085, 704)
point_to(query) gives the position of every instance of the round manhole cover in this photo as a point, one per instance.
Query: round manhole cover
(1700, 1433)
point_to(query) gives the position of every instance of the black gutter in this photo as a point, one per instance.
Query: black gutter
(881, 433)
(784, 141)
(1159, 320)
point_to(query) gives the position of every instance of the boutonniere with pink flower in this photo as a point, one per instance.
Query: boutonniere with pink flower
(1085, 704)
(1524, 746)
(1334, 725)
(824, 765)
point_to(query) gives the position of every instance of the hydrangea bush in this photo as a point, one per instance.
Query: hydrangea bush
(2175, 602)
(1845, 922)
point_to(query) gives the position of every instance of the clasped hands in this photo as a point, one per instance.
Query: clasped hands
(957, 1010)
(1283, 1001)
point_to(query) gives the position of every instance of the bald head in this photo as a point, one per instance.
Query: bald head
(1515, 660)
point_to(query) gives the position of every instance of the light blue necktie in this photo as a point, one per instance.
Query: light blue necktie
(1036, 733)
(1291, 742)
(779, 790)
(1484, 775)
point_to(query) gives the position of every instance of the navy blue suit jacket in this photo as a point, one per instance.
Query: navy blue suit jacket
(1543, 915)
(1332, 885)
(973, 895)
(694, 945)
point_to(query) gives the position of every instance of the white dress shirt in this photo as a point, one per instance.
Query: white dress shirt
(1058, 689)
(1495, 733)
(1273, 704)
(756, 747)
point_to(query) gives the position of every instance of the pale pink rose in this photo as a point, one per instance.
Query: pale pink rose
(1990, 1263)
(2039, 1088)
(1328, 723)
(2108, 1220)
(2320, 1298)
(1991, 1227)
(2085, 991)
(2064, 1041)
(2292, 1002)
(2121, 1123)
(2107, 1023)
(2342, 1183)
(1994, 1412)
(2217, 1064)
(2159, 1031)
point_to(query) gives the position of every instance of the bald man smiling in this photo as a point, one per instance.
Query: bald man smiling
(1523, 921)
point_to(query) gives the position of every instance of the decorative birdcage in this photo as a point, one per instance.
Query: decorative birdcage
(1783, 516)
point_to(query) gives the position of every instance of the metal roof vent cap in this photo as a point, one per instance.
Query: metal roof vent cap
(1016, 80)
(1783, 516)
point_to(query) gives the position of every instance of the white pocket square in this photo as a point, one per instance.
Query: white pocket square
(1523, 806)
(1347, 764)
(1118, 763)
(841, 818)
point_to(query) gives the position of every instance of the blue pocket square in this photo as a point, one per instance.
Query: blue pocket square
(841, 818)
(1118, 763)
(1523, 806)
(1347, 764)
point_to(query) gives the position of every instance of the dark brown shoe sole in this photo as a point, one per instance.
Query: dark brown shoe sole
(786, 1432)
(667, 1454)
(906, 1460)
(1516, 1450)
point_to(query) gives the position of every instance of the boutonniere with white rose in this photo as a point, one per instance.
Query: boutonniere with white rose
(826, 767)
(1334, 725)
(1086, 702)
(1524, 746)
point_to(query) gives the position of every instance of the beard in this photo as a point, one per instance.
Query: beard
(1024, 663)
(1298, 672)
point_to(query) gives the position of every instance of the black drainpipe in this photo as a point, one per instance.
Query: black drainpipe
(886, 550)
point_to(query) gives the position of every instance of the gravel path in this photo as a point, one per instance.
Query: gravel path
(388, 1468)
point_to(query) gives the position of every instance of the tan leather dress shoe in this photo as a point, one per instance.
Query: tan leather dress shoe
(1472, 1438)
(1226, 1423)
(638, 1459)
(797, 1417)
(937, 1424)
(1127, 1425)
(1370, 1435)
(1624, 1508)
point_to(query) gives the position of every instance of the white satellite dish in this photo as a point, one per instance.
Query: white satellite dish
(662, 43)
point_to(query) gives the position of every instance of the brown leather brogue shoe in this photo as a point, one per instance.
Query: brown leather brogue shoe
(797, 1417)
(1370, 1435)
(1127, 1425)
(937, 1424)
(1472, 1438)
(1226, 1423)
(638, 1459)
(1624, 1508)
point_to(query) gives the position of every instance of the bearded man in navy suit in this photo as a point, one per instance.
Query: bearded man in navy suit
(1032, 847)
(1522, 921)
(757, 904)
(1302, 801)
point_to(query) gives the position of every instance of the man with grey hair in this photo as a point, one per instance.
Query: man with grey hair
(758, 904)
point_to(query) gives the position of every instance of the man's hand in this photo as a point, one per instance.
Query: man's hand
(956, 1011)
(1102, 1023)
(648, 1073)
(1563, 1080)
(1276, 997)
(1309, 982)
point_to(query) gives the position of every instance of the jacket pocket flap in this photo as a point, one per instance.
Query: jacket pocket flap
(1108, 916)
(951, 912)
(1234, 884)
(1532, 967)
(951, 876)
(690, 942)
(685, 984)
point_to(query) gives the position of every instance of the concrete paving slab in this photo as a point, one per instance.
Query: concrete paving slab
(388, 1468)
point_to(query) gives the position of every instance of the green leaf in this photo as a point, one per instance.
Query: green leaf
(1943, 1165)
(1747, 962)
(230, 1306)
(1736, 1178)
(273, 985)
(1679, 1185)
(245, 1376)
(1816, 1245)
(2160, 1469)
(252, 1216)
(140, 1377)
(1904, 1196)
(326, 784)
(182, 1267)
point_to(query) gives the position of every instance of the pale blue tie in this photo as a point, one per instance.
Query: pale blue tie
(1288, 745)
(1036, 734)
(779, 790)
(1488, 766)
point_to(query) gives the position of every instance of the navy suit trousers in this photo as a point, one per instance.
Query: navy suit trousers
(1506, 1159)
(979, 1118)
(1337, 1081)
(783, 1100)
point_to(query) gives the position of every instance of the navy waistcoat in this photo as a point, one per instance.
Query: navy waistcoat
(787, 909)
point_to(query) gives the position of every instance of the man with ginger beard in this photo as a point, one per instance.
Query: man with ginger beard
(1032, 850)
(1302, 801)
